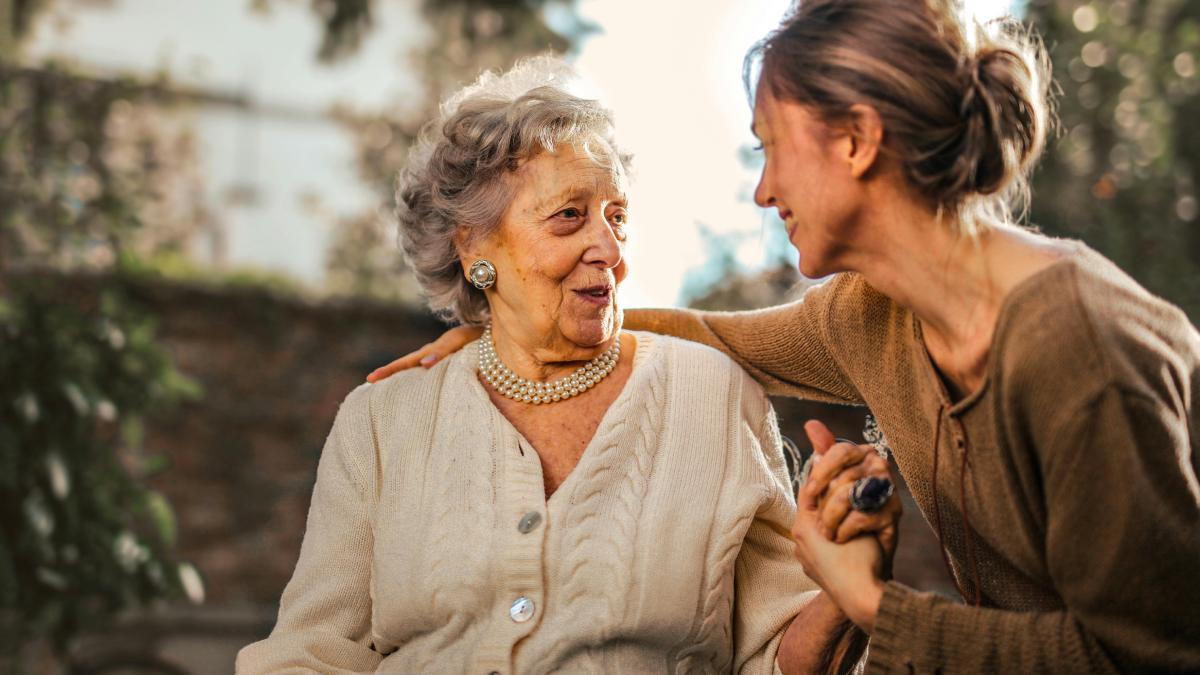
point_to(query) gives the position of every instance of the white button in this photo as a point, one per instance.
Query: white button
(521, 610)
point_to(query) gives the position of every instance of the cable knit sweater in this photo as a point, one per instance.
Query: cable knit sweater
(430, 546)
(1065, 487)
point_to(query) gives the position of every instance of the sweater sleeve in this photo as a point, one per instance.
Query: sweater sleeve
(770, 586)
(785, 348)
(324, 622)
(1123, 510)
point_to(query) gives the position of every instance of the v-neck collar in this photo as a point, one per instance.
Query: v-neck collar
(1008, 309)
(645, 345)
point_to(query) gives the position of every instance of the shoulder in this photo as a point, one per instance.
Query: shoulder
(702, 375)
(400, 403)
(409, 389)
(854, 301)
(1083, 325)
(861, 325)
(857, 320)
(704, 364)
(845, 298)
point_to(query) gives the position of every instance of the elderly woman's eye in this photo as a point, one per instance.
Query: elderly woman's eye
(570, 213)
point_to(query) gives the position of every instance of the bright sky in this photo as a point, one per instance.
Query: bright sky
(671, 72)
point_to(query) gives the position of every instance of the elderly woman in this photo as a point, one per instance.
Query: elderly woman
(560, 495)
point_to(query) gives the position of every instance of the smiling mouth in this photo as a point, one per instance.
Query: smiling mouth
(600, 295)
(786, 215)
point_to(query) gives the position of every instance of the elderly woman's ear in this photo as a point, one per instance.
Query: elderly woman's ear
(477, 267)
(465, 247)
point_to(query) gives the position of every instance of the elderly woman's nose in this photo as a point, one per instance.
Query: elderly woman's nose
(604, 245)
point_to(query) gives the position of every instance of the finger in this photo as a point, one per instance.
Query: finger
(888, 538)
(834, 461)
(456, 338)
(877, 466)
(819, 435)
(840, 484)
(804, 525)
(411, 360)
(872, 465)
(428, 355)
(856, 522)
(821, 439)
(835, 502)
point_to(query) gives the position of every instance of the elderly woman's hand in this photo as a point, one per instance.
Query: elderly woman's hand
(851, 573)
(449, 342)
(835, 469)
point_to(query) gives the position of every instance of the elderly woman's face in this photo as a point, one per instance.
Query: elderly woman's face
(559, 253)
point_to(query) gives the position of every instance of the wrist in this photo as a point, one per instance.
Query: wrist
(864, 607)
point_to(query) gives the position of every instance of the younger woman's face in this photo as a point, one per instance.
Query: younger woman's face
(808, 179)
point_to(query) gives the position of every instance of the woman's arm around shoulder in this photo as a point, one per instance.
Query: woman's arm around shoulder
(324, 622)
(787, 348)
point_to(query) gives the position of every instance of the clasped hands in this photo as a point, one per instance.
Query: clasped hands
(847, 552)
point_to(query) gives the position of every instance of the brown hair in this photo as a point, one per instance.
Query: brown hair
(965, 109)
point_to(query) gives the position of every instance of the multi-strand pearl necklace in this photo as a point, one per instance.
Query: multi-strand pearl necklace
(513, 386)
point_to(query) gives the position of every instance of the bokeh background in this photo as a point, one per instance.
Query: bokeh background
(197, 261)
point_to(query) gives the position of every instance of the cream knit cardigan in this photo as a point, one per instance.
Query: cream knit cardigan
(666, 549)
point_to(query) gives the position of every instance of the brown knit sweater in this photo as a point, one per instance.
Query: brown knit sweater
(1066, 486)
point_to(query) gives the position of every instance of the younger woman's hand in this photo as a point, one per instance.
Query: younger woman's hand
(852, 574)
(450, 341)
(827, 490)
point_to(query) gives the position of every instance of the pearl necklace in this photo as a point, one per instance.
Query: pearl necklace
(513, 386)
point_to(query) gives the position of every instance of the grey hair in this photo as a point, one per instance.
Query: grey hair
(458, 172)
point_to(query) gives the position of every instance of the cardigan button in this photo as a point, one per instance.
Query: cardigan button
(521, 609)
(530, 521)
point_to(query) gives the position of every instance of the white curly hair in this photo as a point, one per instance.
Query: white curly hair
(458, 172)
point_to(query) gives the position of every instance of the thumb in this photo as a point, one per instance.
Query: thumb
(820, 436)
(822, 439)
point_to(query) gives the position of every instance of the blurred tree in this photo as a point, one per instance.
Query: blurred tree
(89, 168)
(1122, 175)
(80, 536)
(83, 168)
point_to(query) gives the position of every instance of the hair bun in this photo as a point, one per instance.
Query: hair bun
(1004, 121)
(965, 107)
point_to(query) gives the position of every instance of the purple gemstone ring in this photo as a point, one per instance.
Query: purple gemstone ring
(868, 495)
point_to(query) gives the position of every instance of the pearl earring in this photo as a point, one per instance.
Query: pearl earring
(482, 273)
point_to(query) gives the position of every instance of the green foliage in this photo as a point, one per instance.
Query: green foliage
(81, 536)
(1122, 175)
